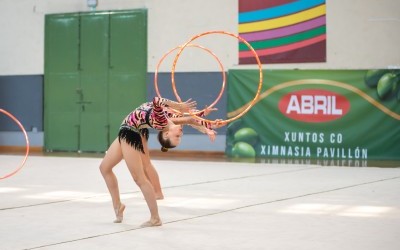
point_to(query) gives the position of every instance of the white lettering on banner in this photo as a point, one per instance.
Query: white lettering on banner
(313, 104)
(262, 150)
(342, 153)
(276, 150)
(335, 139)
(304, 137)
(299, 151)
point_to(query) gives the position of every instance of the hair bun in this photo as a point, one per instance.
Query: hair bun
(164, 149)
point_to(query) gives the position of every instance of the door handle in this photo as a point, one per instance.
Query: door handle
(80, 93)
(83, 103)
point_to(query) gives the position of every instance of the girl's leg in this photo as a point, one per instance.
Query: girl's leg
(151, 172)
(112, 158)
(135, 166)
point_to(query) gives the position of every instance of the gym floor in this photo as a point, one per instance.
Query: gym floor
(60, 201)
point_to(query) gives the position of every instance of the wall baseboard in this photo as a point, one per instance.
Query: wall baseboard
(19, 149)
(155, 154)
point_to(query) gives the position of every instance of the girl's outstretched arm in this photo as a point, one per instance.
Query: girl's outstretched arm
(179, 106)
(183, 120)
(211, 133)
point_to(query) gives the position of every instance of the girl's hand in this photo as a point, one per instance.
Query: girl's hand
(208, 110)
(186, 106)
(211, 134)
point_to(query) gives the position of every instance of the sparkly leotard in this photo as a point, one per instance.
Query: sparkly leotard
(148, 115)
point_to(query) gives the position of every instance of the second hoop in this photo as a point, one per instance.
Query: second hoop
(251, 49)
(173, 85)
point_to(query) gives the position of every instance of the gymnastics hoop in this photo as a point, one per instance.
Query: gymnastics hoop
(27, 144)
(255, 55)
(174, 89)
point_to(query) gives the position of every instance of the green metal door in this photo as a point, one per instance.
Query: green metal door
(95, 73)
(128, 65)
(61, 116)
(94, 54)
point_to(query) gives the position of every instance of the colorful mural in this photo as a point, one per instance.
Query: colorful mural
(283, 31)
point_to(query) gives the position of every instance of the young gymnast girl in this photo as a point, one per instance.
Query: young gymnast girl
(131, 145)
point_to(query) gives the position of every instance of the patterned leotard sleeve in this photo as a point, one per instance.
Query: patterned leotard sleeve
(148, 115)
(153, 114)
(199, 122)
(159, 116)
(203, 123)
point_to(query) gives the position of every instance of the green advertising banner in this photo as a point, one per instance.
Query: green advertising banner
(315, 114)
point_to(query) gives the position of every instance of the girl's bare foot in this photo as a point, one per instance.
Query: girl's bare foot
(159, 196)
(119, 213)
(152, 223)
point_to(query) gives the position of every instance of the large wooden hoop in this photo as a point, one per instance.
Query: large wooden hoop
(251, 49)
(27, 144)
(221, 66)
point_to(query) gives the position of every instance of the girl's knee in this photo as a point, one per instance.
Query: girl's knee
(146, 167)
(104, 169)
(145, 160)
(140, 181)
